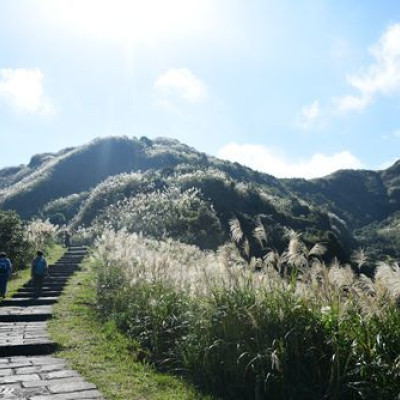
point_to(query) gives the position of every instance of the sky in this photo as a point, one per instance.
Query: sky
(293, 88)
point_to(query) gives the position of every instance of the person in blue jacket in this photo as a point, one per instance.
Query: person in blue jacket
(39, 271)
(5, 273)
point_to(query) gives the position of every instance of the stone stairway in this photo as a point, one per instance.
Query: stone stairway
(27, 370)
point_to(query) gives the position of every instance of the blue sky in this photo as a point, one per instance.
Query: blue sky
(292, 88)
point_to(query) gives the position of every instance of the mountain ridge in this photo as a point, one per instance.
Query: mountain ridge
(332, 208)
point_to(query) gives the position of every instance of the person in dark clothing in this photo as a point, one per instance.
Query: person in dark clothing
(5, 273)
(67, 239)
(38, 272)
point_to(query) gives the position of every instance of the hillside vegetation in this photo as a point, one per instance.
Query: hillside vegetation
(245, 285)
(122, 182)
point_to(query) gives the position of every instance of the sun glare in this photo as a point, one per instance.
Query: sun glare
(135, 20)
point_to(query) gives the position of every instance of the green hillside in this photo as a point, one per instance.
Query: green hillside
(164, 188)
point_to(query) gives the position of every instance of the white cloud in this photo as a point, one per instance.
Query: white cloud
(353, 103)
(274, 162)
(309, 115)
(382, 77)
(23, 90)
(180, 84)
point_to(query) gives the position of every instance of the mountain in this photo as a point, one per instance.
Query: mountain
(123, 181)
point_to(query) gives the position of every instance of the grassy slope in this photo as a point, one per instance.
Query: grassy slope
(104, 356)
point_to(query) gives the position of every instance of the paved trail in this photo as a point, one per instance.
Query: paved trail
(27, 369)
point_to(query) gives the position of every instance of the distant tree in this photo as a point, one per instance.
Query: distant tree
(58, 219)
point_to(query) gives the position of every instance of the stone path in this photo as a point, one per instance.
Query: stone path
(27, 369)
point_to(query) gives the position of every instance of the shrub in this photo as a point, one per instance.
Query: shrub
(40, 234)
(13, 240)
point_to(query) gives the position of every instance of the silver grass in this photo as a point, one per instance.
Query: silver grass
(199, 273)
(317, 250)
(341, 276)
(359, 257)
(260, 234)
(246, 247)
(388, 276)
(366, 284)
(273, 259)
(236, 230)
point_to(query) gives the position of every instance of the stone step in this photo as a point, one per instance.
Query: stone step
(67, 262)
(76, 250)
(62, 271)
(70, 261)
(24, 312)
(44, 378)
(53, 280)
(56, 278)
(67, 266)
(49, 282)
(45, 293)
(24, 301)
(59, 272)
(24, 338)
(25, 317)
(73, 256)
(70, 264)
(45, 288)
(29, 348)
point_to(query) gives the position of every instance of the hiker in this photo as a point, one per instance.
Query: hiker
(67, 239)
(5, 273)
(38, 272)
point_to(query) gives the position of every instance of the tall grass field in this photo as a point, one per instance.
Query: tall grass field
(285, 326)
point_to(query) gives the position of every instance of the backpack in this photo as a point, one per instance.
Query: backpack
(39, 266)
(3, 266)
